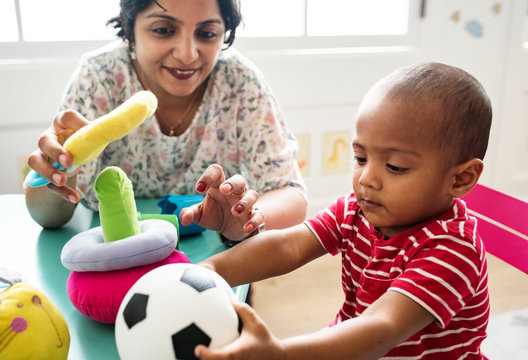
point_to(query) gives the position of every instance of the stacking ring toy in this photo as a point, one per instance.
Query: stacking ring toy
(98, 294)
(88, 251)
(107, 260)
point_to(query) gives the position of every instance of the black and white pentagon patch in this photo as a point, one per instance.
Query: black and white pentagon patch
(198, 279)
(136, 309)
(185, 340)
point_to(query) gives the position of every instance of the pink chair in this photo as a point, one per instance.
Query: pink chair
(502, 224)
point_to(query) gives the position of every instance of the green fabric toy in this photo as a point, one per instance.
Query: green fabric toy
(117, 208)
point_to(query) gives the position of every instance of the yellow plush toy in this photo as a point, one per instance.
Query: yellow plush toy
(90, 141)
(31, 327)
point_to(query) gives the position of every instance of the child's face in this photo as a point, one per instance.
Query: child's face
(400, 179)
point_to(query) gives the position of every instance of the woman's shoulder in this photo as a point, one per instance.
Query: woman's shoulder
(108, 56)
(231, 57)
(233, 66)
(103, 79)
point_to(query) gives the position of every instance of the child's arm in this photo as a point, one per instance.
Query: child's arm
(389, 321)
(271, 253)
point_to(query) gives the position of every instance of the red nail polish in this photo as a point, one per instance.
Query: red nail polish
(200, 187)
(239, 208)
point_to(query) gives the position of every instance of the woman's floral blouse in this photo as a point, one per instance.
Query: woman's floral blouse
(238, 125)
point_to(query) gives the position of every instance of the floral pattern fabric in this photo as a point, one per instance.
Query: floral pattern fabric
(238, 125)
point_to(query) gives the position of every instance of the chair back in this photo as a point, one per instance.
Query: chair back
(502, 224)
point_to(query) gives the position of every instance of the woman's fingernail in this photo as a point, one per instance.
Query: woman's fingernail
(56, 178)
(200, 187)
(72, 199)
(239, 208)
(62, 160)
(227, 187)
(250, 228)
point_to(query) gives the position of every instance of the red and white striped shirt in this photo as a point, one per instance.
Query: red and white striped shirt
(440, 264)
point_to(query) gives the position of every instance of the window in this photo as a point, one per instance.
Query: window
(69, 20)
(64, 20)
(272, 18)
(525, 33)
(76, 26)
(8, 22)
(326, 24)
(357, 17)
(324, 17)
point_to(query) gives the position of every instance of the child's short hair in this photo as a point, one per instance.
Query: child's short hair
(464, 109)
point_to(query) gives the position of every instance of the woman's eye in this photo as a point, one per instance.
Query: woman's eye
(162, 31)
(203, 34)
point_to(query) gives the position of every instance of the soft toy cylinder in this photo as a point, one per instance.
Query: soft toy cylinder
(117, 208)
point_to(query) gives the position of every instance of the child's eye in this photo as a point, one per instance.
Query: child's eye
(395, 169)
(360, 160)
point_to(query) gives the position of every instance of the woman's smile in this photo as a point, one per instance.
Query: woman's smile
(181, 74)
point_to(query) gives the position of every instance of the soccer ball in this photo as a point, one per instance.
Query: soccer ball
(173, 308)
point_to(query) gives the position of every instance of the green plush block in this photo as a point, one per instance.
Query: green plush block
(173, 219)
(117, 207)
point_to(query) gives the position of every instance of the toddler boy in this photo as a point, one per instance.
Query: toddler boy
(414, 268)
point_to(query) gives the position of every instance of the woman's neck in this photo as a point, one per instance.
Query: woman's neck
(174, 113)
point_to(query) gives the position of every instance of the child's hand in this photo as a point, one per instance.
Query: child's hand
(255, 342)
(227, 207)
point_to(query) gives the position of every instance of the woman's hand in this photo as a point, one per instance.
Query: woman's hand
(227, 207)
(51, 151)
(255, 341)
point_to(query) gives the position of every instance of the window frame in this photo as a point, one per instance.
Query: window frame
(22, 51)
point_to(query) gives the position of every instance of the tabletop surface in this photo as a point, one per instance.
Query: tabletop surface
(28, 248)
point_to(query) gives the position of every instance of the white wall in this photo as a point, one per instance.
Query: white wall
(320, 91)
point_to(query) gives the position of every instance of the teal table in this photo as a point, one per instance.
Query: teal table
(35, 252)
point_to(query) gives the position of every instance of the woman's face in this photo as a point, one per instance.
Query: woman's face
(177, 48)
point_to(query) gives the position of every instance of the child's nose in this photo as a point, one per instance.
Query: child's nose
(369, 177)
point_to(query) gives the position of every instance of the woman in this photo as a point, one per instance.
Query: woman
(214, 107)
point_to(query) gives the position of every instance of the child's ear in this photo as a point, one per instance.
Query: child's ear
(466, 176)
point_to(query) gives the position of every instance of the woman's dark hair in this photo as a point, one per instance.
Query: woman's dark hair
(124, 22)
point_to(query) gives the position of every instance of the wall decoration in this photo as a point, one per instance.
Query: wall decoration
(475, 28)
(336, 147)
(303, 156)
(496, 8)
